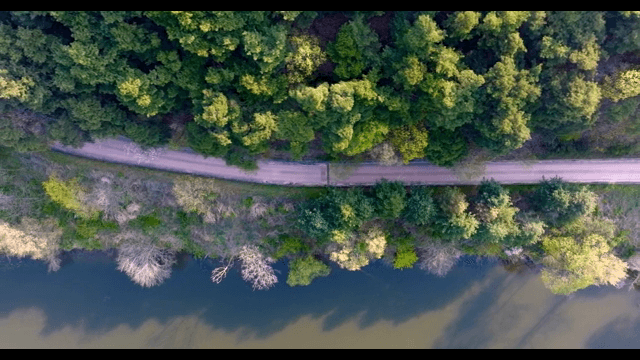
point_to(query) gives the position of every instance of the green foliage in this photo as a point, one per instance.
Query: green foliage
(622, 110)
(336, 210)
(623, 85)
(576, 264)
(146, 222)
(240, 157)
(453, 222)
(302, 271)
(405, 257)
(509, 91)
(410, 141)
(560, 202)
(355, 49)
(496, 213)
(390, 199)
(67, 194)
(462, 23)
(207, 142)
(147, 135)
(365, 136)
(420, 208)
(288, 245)
(446, 147)
(304, 58)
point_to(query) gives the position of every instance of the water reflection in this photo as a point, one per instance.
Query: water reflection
(477, 305)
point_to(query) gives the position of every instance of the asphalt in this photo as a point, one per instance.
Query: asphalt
(321, 174)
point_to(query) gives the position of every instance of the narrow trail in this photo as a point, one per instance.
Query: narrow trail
(317, 173)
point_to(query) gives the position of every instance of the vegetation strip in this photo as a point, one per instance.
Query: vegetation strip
(577, 235)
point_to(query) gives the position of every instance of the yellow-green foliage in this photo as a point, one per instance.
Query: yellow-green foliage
(573, 265)
(405, 257)
(67, 194)
(355, 252)
(303, 270)
(410, 141)
(624, 85)
(30, 238)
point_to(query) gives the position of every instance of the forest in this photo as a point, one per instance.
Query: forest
(334, 86)
(384, 86)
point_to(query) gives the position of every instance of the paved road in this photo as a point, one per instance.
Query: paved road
(319, 174)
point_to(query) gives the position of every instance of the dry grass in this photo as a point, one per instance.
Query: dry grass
(621, 203)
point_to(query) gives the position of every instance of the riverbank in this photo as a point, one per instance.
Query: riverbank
(168, 213)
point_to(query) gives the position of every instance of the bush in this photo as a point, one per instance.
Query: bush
(288, 245)
(67, 194)
(405, 257)
(302, 271)
(146, 222)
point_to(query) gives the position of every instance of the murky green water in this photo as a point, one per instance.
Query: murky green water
(88, 303)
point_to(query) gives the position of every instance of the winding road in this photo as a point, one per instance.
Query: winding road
(324, 174)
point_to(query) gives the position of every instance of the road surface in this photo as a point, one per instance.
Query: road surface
(322, 174)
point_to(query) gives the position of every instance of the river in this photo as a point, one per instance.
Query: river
(89, 304)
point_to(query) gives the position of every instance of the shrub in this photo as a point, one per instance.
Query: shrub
(256, 268)
(30, 238)
(288, 245)
(439, 259)
(405, 257)
(68, 194)
(145, 263)
(303, 270)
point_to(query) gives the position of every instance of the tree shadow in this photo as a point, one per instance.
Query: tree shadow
(621, 333)
(90, 291)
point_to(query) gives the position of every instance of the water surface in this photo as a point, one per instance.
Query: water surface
(88, 303)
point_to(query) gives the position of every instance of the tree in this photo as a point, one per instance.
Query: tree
(304, 58)
(509, 91)
(453, 222)
(354, 252)
(390, 199)
(438, 258)
(355, 48)
(256, 268)
(420, 209)
(446, 147)
(23, 130)
(494, 210)
(365, 136)
(302, 271)
(576, 264)
(146, 263)
(410, 141)
(623, 85)
(260, 129)
(384, 154)
(462, 23)
(560, 202)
